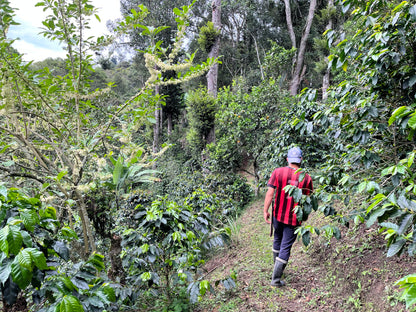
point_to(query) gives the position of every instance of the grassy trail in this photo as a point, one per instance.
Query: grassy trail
(352, 274)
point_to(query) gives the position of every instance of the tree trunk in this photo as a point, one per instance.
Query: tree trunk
(116, 272)
(326, 78)
(89, 243)
(258, 57)
(156, 127)
(161, 120)
(291, 31)
(256, 177)
(170, 126)
(325, 84)
(211, 135)
(296, 77)
(290, 24)
(212, 76)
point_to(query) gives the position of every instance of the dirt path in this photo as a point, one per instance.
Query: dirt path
(352, 274)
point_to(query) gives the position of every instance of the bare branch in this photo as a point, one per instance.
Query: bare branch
(14, 174)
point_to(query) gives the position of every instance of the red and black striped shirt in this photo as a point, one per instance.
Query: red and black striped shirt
(284, 204)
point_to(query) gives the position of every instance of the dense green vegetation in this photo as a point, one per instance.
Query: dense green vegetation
(115, 190)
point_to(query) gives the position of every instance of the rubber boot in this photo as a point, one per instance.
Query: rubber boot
(275, 255)
(279, 267)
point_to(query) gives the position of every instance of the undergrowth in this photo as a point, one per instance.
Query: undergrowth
(350, 274)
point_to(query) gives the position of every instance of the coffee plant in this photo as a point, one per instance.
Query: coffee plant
(35, 260)
(368, 123)
(162, 253)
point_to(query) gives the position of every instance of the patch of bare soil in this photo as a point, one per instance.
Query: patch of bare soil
(352, 274)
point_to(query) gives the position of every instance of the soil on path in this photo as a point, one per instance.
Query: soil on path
(352, 274)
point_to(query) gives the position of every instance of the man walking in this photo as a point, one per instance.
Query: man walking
(283, 214)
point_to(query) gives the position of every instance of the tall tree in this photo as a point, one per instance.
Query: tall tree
(246, 30)
(299, 69)
(173, 103)
(158, 13)
(326, 77)
(212, 76)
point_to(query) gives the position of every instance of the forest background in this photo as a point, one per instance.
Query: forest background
(121, 176)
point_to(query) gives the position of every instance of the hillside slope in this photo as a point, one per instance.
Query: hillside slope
(352, 274)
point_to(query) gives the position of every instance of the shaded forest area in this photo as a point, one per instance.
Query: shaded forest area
(126, 166)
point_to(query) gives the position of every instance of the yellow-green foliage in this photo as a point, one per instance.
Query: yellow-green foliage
(201, 110)
(207, 36)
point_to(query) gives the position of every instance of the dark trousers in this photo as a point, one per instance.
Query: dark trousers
(284, 237)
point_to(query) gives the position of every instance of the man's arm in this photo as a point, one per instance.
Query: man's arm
(267, 201)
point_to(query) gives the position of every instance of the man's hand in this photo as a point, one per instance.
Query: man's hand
(267, 217)
(267, 201)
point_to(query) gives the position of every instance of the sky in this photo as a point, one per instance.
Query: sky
(33, 45)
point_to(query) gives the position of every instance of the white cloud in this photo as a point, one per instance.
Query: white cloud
(36, 53)
(36, 47)
(107, 10)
